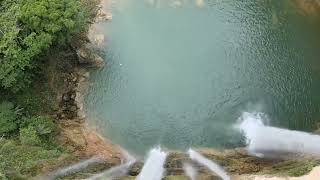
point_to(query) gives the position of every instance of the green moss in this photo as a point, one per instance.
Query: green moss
(299, 168)
(239, 162)
(176, 178)
(128, 178)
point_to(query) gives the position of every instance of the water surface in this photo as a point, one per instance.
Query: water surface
(181, 76)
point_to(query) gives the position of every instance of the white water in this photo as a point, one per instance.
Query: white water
(153, 168)
(190, 171)
(114, 172)
(262, 139)
(75, 168)
(117, 171)
(212, 166)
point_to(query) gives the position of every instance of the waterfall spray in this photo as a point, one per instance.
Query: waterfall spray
(117, 171)
(75, 168)
(190, 171)
(153, 168)
(114, 172)
(212, 166)
(262, 139)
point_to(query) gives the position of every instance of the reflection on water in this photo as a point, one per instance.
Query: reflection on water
(181, 76)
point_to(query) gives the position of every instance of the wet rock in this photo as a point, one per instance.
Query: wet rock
(181, 177)
(86, 75)
(103, 16)
(81, 115)
(73, 108)
(73, 96)
(88, 57)
(80, 106)
(65, 97)
(135, 169)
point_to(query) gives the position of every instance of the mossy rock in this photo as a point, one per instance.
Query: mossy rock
(127, 178)
(237, 161)
(181, 177)
(135, 169)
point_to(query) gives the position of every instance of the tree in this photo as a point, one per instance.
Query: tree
(28, 28)
(8, 118)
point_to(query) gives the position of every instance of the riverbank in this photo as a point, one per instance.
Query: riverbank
(75, 132)
(41, 106)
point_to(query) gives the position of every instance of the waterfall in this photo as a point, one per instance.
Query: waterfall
(190, 171)
(75, 168)
(262, 139)
(212, 166)
(117, 171)
(114, 172)
(153, 168)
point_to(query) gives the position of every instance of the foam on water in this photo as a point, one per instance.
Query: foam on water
(262, 139)
(212, 166)
(153, 168)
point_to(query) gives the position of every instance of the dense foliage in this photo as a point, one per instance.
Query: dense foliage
(8, 118)
(28, 28)
(18, 132)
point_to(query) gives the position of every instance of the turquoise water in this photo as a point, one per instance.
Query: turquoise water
(182, 76)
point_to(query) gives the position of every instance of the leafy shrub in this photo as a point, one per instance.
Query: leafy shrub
(43, 125)
(36, 99)
(28, 29)
(29, 136)
(8, 118)
(30, 101)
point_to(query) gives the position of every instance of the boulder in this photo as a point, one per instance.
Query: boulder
(88, 57)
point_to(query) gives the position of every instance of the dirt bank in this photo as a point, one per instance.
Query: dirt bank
(70, 84)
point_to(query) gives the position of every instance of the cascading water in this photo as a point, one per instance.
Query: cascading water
(75, 168)
(212, 166)
(114, 172)
(117, 171)
(190, 171)
(153, 168)
(262, 139)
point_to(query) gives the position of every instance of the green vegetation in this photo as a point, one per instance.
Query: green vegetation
(33, 35)
(26, 143)
(8, 118)
(28, 28)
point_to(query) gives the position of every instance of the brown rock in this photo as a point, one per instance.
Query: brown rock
(88, 57)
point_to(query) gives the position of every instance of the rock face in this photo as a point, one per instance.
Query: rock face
(87, 56)
(103, 16)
